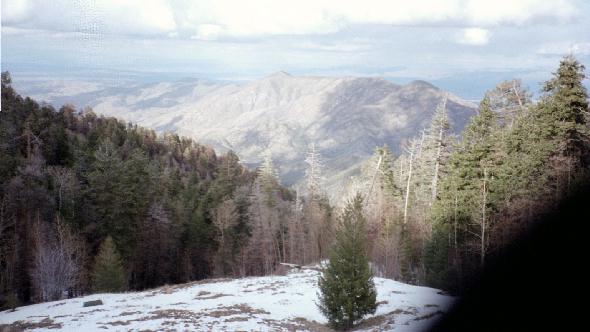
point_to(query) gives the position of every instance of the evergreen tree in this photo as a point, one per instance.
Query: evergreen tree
(465, 203)
(566, 101)
(108, 274)
(437, 147)
(347, 288)
(562, 118)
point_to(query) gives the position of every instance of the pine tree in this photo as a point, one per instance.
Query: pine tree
(108, 275)
(567, 99)
(347, 288)
(562, 118)
(466, 202)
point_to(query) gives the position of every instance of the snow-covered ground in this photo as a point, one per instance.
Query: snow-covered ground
(273, 303)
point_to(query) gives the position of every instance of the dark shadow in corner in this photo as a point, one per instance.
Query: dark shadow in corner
(537, 283)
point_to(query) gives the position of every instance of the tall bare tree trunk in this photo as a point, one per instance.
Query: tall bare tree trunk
(455, 222)
(437, 165)
(407, 198)
(483, 216)
(373, 179)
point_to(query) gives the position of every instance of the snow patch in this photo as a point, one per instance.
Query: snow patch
(277, 303)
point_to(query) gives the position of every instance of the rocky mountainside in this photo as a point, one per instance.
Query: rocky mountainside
(345, 117)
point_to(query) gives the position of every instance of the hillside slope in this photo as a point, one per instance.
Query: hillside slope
(345, 117)
(277, 303)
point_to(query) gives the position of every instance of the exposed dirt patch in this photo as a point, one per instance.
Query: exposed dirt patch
(301, 323)
(373, 322)
(237, 319)
(186, 316)
(46, 323)
(56, 305)
(84, 313)
(430, 315)
(117, 323)
(200, 282)
(407, 311)
(171, 317)
(62, 316)
(274, 286)
(204, 295)
(236, 309)
(129, 313)
(169, 289)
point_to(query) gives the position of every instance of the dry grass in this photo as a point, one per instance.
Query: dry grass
(430, 315)
(46, 323)
(57, 304)
(117, 323)
(310, 325)
(129, 313)
(236, 309)
(173, 316)
(236, 319)
(204, 295)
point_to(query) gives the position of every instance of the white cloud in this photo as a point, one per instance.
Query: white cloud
(341, 46)
(562, 48)
(473, 36)
(581, 48)
(106, 16)
(137, 16)
(210, 19)
(14, 10)
(208, 32)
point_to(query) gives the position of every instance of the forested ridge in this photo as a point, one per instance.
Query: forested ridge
(447, 204)
(114, 206)
(83, 196)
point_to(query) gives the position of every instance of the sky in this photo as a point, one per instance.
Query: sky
(465, 46)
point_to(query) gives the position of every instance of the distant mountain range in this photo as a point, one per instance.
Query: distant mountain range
(345, 117)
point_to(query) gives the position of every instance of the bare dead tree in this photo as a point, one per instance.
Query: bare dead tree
(410, 151)
(66, 183)
(58, 263)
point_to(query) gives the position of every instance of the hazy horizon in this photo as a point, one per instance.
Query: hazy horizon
(463, 46)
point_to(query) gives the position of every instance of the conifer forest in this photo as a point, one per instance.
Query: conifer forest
(90, 203)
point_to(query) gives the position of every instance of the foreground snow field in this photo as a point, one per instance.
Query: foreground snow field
(273, 303)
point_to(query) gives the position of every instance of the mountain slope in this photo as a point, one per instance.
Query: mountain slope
(273, 303)
(345, 117)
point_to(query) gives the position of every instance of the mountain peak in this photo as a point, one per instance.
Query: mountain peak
(280, 73)
(424, 84)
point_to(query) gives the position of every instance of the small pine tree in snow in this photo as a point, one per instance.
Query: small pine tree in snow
(108, 275)
(347, 290)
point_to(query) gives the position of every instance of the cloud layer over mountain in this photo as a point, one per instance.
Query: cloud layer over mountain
(206, 19)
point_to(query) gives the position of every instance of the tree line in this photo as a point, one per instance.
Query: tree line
(90, 204)
(448, 203)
